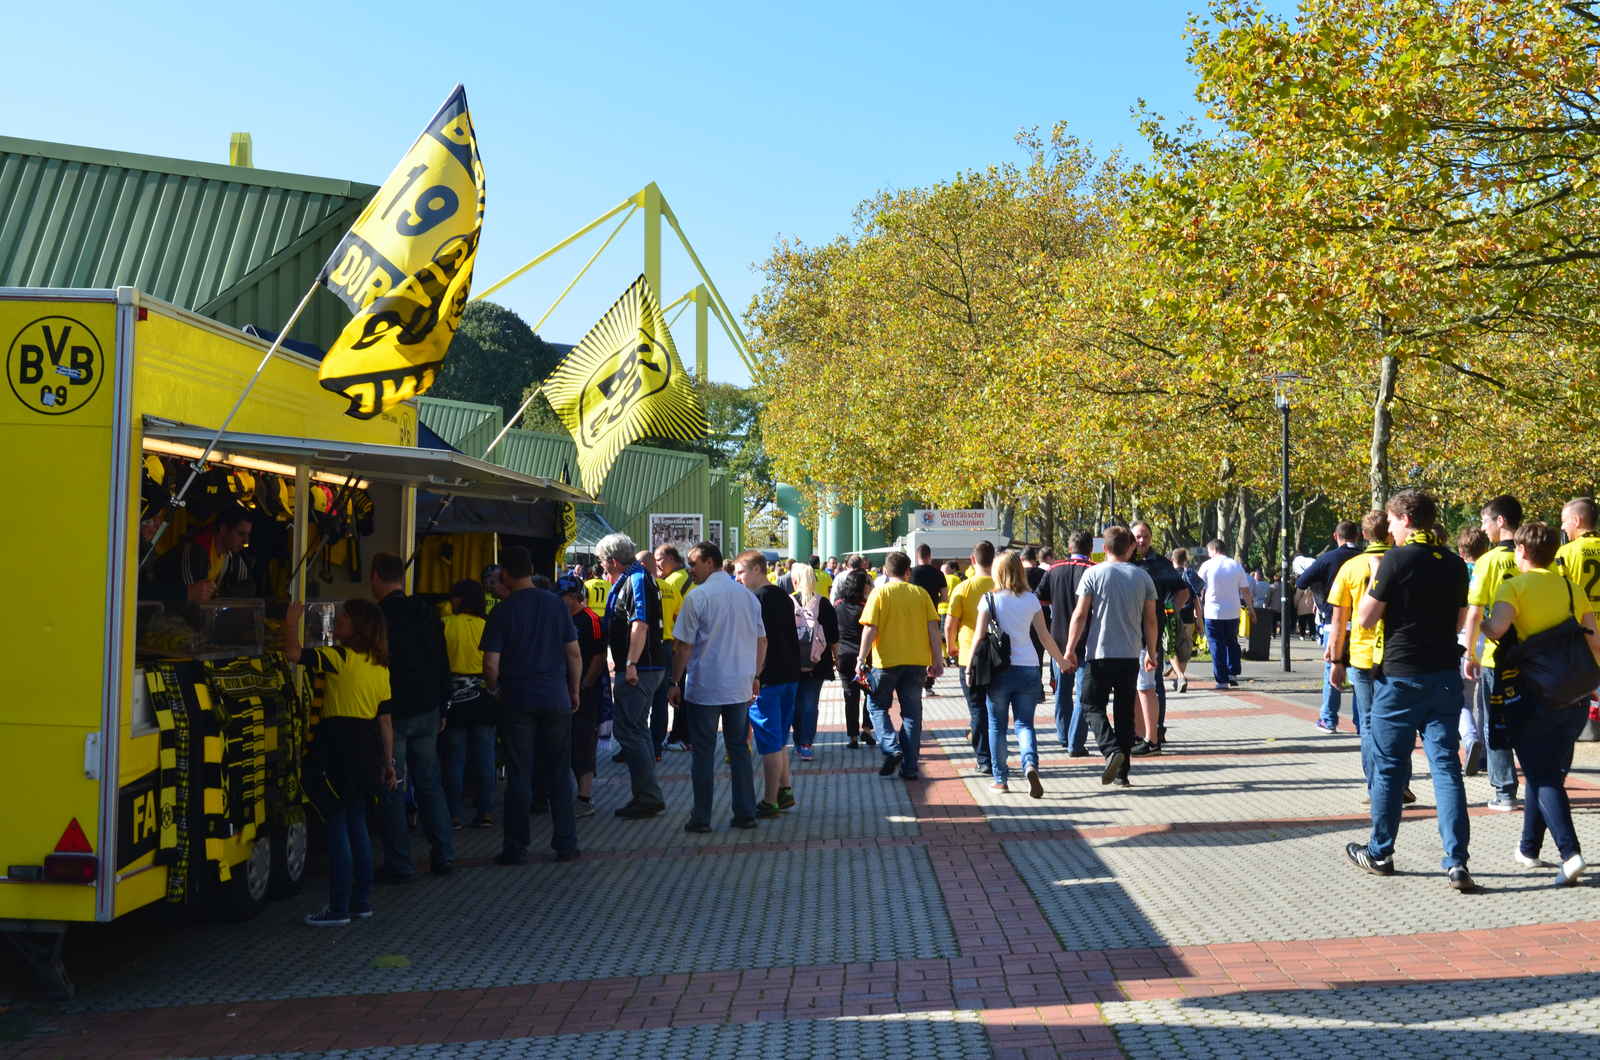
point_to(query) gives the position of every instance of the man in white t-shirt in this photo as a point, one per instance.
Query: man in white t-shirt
(1227, 590)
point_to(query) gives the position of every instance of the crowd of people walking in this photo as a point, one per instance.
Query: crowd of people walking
(1489, 644)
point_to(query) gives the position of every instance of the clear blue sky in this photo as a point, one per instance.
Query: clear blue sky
(756, 120)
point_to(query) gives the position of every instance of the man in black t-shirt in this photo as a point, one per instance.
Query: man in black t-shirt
(1058, 589)
(930, 578)
(1420, 596)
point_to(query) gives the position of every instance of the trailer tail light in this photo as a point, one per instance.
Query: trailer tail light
(73, 860)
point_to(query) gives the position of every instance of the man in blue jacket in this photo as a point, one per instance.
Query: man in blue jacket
(1319, 579)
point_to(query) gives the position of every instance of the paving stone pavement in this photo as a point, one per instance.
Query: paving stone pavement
(1207, 911)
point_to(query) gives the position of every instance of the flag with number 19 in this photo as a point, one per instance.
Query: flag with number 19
(405, 268)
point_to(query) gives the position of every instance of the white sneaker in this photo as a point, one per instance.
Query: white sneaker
(1571, 869)
(1529, 863)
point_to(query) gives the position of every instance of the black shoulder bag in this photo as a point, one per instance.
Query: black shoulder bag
(1555, 667)
(992, 653)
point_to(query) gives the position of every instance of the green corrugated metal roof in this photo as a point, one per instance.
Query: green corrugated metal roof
(643, 480)
(467, 425)
(239, 245)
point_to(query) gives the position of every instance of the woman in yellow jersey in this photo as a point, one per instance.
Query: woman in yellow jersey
(1533, 601)
(354, 747)
(473, 713)
(952, 578)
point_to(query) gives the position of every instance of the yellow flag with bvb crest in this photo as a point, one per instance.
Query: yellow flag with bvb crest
(405, 268)
(624, 382)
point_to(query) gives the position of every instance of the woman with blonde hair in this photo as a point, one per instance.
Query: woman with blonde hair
(1015, 689)
(818, 628)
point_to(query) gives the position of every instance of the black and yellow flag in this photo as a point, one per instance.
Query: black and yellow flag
(405, 268)
(624, 382)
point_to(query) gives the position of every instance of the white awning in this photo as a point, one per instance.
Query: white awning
(439, 470)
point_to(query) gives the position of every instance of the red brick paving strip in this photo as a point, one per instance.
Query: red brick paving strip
(1039, 1001)
(1036, 999)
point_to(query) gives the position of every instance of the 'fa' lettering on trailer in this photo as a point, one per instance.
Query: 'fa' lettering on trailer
(54, 365)
(146, 818)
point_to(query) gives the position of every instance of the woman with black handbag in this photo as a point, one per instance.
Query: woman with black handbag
(1544, 629)
(1012, 630)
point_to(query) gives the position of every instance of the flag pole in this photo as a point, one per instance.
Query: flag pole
(199, 464)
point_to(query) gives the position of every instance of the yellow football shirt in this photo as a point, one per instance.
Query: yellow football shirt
(672, 589)
(964, 601)
(1579, 560)
(354, 686)
(1541, 599)
(900, 612)
(462, 635)
(1494, 568)
(950, 583)
(1349, 586)
(598, 589)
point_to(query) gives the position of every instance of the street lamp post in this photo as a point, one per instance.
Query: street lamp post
(1281, 382)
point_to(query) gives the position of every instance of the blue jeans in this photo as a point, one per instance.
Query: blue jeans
(1544, 746)
(807, 698)
(977, 719)
(1362, 688)
(1402, 707)
(1015, 690)
(1222, 637)
(906, 682)
(349, 856)
(701, 723)
(1502, 764)
(631, 727)
(469, 746)
(1072, 725)
(1331, 697)
(538, 751)
(416, 755)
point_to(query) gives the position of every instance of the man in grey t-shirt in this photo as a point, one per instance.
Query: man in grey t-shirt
(1117, 608)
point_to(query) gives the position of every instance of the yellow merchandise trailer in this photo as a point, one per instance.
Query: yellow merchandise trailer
(149, 751)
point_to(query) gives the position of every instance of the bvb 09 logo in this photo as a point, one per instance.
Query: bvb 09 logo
(54, 365)
(637, 369)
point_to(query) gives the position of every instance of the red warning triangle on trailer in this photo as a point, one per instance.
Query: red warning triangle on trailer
(73, 841)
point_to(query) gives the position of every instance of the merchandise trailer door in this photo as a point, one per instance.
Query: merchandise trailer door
(64, 430)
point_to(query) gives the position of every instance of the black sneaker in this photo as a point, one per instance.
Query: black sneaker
(1114, 767)
(1362, 859)
(361, 912)
(564, 856)
(786, 798)
(890, 764)
(696, 828)
(511, 857)
(1124, 782)
(743, 822)
(766, 811)
(638, 811)
(1035, 789)
(443, 868)
(1144, 747)
(1461, 879)
(328, 918)
(1078, 754)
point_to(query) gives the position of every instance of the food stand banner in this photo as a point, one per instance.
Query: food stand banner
(405, 268)
(621, 383)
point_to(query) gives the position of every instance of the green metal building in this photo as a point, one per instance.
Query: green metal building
(643, 481)
(236, 244)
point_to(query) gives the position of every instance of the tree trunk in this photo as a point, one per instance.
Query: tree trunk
(1246, 526)
(1382, 428)
(1050, 520)
(1226, 508)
